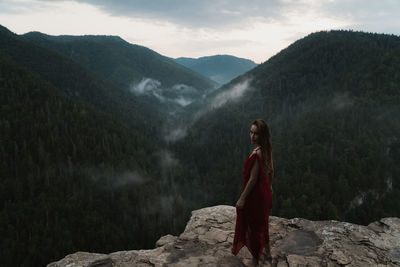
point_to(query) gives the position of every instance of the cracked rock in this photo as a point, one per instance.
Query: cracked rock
(207, 241)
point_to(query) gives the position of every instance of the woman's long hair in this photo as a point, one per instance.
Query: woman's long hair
(264, 141)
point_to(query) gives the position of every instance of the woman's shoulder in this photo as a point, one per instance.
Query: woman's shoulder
(255, 156)
(256, 151)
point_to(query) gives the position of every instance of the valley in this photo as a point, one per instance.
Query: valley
(102, 136)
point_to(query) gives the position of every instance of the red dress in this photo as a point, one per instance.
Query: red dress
(251, 228)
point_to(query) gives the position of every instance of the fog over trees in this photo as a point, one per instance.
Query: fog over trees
(109, 153)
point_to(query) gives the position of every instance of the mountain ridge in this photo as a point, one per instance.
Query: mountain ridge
(71, 139)
(120, 61)
(332, 101)
(220, 68)
(79, 82)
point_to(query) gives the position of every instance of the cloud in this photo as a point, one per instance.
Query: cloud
(180, 94)
(167, 162)
(183, 101)
(117, 179)
(17, 7)
(233, 93)
(167, 159)
(184, 94)
(249, 29)
(342, 101)
(148, 86)
(178, 133)
(145, 86)
(193, 13)
(365, 15)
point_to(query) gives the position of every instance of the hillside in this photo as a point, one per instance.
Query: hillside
(332, 100)
(88, 153)
(82, 84)
(219, 68)
(120, 62)
(77, 156)
(65, 168)
(159, 85)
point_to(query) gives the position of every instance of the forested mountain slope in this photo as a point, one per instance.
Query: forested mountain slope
(78, 157)
(70, 167)
(80, 83)
(332, 100)
(119, 61)
(66, 170)
(219, 68)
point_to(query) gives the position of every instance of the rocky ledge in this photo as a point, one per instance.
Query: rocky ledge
(208, 236)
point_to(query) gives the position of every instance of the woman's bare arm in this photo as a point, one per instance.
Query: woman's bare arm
(250, 184)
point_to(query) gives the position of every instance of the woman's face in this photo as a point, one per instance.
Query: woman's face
(254, 134)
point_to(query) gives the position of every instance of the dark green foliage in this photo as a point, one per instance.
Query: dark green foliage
(82, 166)
(119, 61)
(124, 66)
(73, 179)
(332, 101)
(220, 68)
(81, 84)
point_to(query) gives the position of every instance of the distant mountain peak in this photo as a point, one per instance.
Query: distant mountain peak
(220, 68)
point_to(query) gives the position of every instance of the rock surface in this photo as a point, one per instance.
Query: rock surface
(208, 236)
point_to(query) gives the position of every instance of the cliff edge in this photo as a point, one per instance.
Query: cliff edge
(208, 236)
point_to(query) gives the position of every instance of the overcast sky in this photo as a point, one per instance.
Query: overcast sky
(253, 29)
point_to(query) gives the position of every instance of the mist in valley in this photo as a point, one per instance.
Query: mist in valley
(133, 158)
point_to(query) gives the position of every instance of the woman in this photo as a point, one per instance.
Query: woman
(255, 202)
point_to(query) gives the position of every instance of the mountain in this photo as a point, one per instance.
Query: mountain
(82, 167)
(332, 100)
(77, 154)
(66, 168)
(208, 236)
(128, 66)
(161, 86)
(219, 68)
(82, 84)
